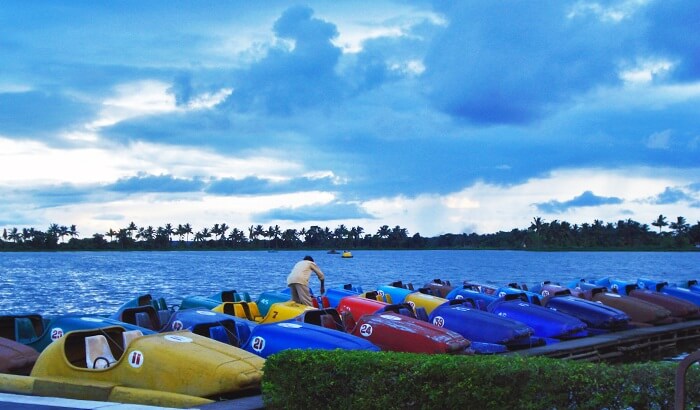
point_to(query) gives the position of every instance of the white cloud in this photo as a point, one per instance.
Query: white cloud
(88, 165)
(646, 71)
(487, 208)
(614, 13)
(659, 140)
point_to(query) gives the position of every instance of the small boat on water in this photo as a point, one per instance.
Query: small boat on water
(346, 255)
(16, 358)
(112, 364)
(38, 332)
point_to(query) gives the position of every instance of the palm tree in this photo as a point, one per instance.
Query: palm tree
(341, 233)
(660, 222)
(188, 230)
(168, 230)
(111, 233)
(680, 226)
(14, 235)
(383, 232)
(273, 232)
(236, 236)
(73, 231)
(290, 238)
(215, 230)
(130, 229)
(222, 231)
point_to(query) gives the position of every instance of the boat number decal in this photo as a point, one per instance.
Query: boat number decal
(258, 344)
(135, 358)
(178, 339)
(92, 319)
(274, 314)
(56, 333)
(523, 304)
(380, 293)
(290, 325)
(413, 305)
(501, 294)
(390, 317)
(366, 330)
(177, 325)
(503, 314)
(459, 297)
(439, 321)
(614, 286)
(545, 293)
(206, 313)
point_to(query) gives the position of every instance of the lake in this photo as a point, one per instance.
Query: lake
(99, 282)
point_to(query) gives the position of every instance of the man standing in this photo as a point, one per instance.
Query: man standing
(298, 280)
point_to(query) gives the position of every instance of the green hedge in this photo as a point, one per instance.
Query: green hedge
(315, 379)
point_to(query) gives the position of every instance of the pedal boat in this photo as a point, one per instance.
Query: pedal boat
(38, 332)
(175, 369)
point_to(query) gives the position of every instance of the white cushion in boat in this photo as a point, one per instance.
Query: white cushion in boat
(98, 355)
(130, 335)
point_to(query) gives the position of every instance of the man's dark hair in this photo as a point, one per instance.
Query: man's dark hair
(308, 258)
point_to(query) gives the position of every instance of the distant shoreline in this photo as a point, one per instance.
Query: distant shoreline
(6, 249)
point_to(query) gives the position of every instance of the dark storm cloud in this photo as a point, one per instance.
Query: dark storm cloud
(328, 212)
(262, 186)
(514, 62)
(155, 183)
(586, 199)
(302, 77)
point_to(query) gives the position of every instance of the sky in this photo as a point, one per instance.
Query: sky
(439, 117)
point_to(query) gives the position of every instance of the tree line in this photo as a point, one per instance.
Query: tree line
(540, 235)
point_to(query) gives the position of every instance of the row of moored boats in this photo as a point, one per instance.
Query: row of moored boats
(140, 353)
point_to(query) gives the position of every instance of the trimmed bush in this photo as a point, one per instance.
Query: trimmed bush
(316, 379)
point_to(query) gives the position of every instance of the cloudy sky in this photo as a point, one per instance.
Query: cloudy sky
(469, 116)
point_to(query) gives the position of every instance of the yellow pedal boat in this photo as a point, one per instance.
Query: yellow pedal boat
(174, 369)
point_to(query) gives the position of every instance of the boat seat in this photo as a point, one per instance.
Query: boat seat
(422, 314)
(144, 320)
(254, 311)
(348, 321)
(164, 316)
(98, 355)
(328, 322)
(219, 333)
(25, 330)
(130, 335)
(243, 333)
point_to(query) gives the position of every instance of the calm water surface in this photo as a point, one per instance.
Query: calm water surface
(99, 282)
